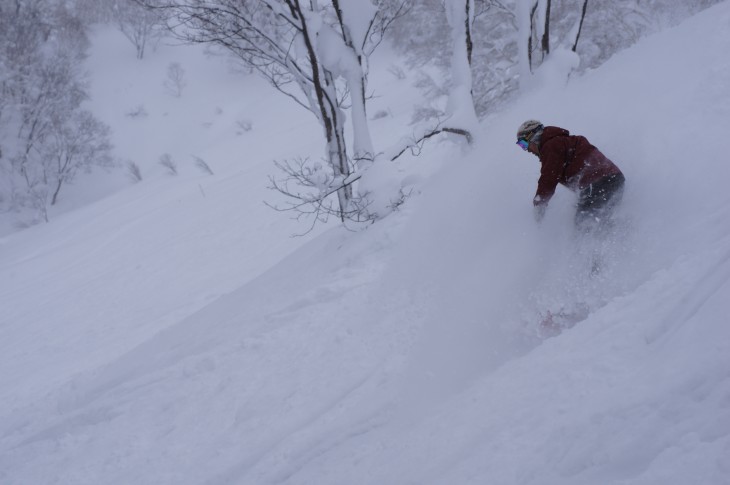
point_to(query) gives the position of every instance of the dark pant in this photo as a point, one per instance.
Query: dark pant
(597, 202)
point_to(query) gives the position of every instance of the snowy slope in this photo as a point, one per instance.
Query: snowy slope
(100, 280)
(147, 342)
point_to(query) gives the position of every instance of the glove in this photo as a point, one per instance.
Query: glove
(539, 212)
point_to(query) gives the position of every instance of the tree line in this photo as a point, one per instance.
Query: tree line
(46, 137)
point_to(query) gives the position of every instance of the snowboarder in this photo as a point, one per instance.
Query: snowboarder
(573, 162)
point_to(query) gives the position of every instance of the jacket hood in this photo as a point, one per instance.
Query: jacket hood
(550, 132)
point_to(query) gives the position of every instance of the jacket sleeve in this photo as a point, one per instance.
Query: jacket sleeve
(552, 158)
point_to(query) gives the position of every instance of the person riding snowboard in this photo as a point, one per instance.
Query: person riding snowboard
(572, 161)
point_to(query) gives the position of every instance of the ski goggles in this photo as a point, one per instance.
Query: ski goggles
(523, 143)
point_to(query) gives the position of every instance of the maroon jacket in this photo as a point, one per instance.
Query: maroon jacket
(569, 160)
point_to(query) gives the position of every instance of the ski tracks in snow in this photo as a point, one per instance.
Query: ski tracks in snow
(293, 377)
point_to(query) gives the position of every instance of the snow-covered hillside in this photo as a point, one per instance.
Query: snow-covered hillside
(173, 333)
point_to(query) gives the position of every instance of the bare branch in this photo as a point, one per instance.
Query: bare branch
(416, 142)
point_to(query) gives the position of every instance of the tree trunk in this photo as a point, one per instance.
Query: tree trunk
(460, 105)
(532, 29)
(55, 193)
(580, 25)
(337, 150)
(362, 141)
(546, 32)
(467, 29)
(329, 116)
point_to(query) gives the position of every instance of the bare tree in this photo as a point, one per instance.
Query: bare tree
(175, 81)
(54, 94)
(274, 38)
(168, 163)
(285, 41)
(133, 171)
(49, 137)
(74, 144)
(203, 165)
(138, 24)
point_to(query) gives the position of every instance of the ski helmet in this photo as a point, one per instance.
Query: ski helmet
(528, 128)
